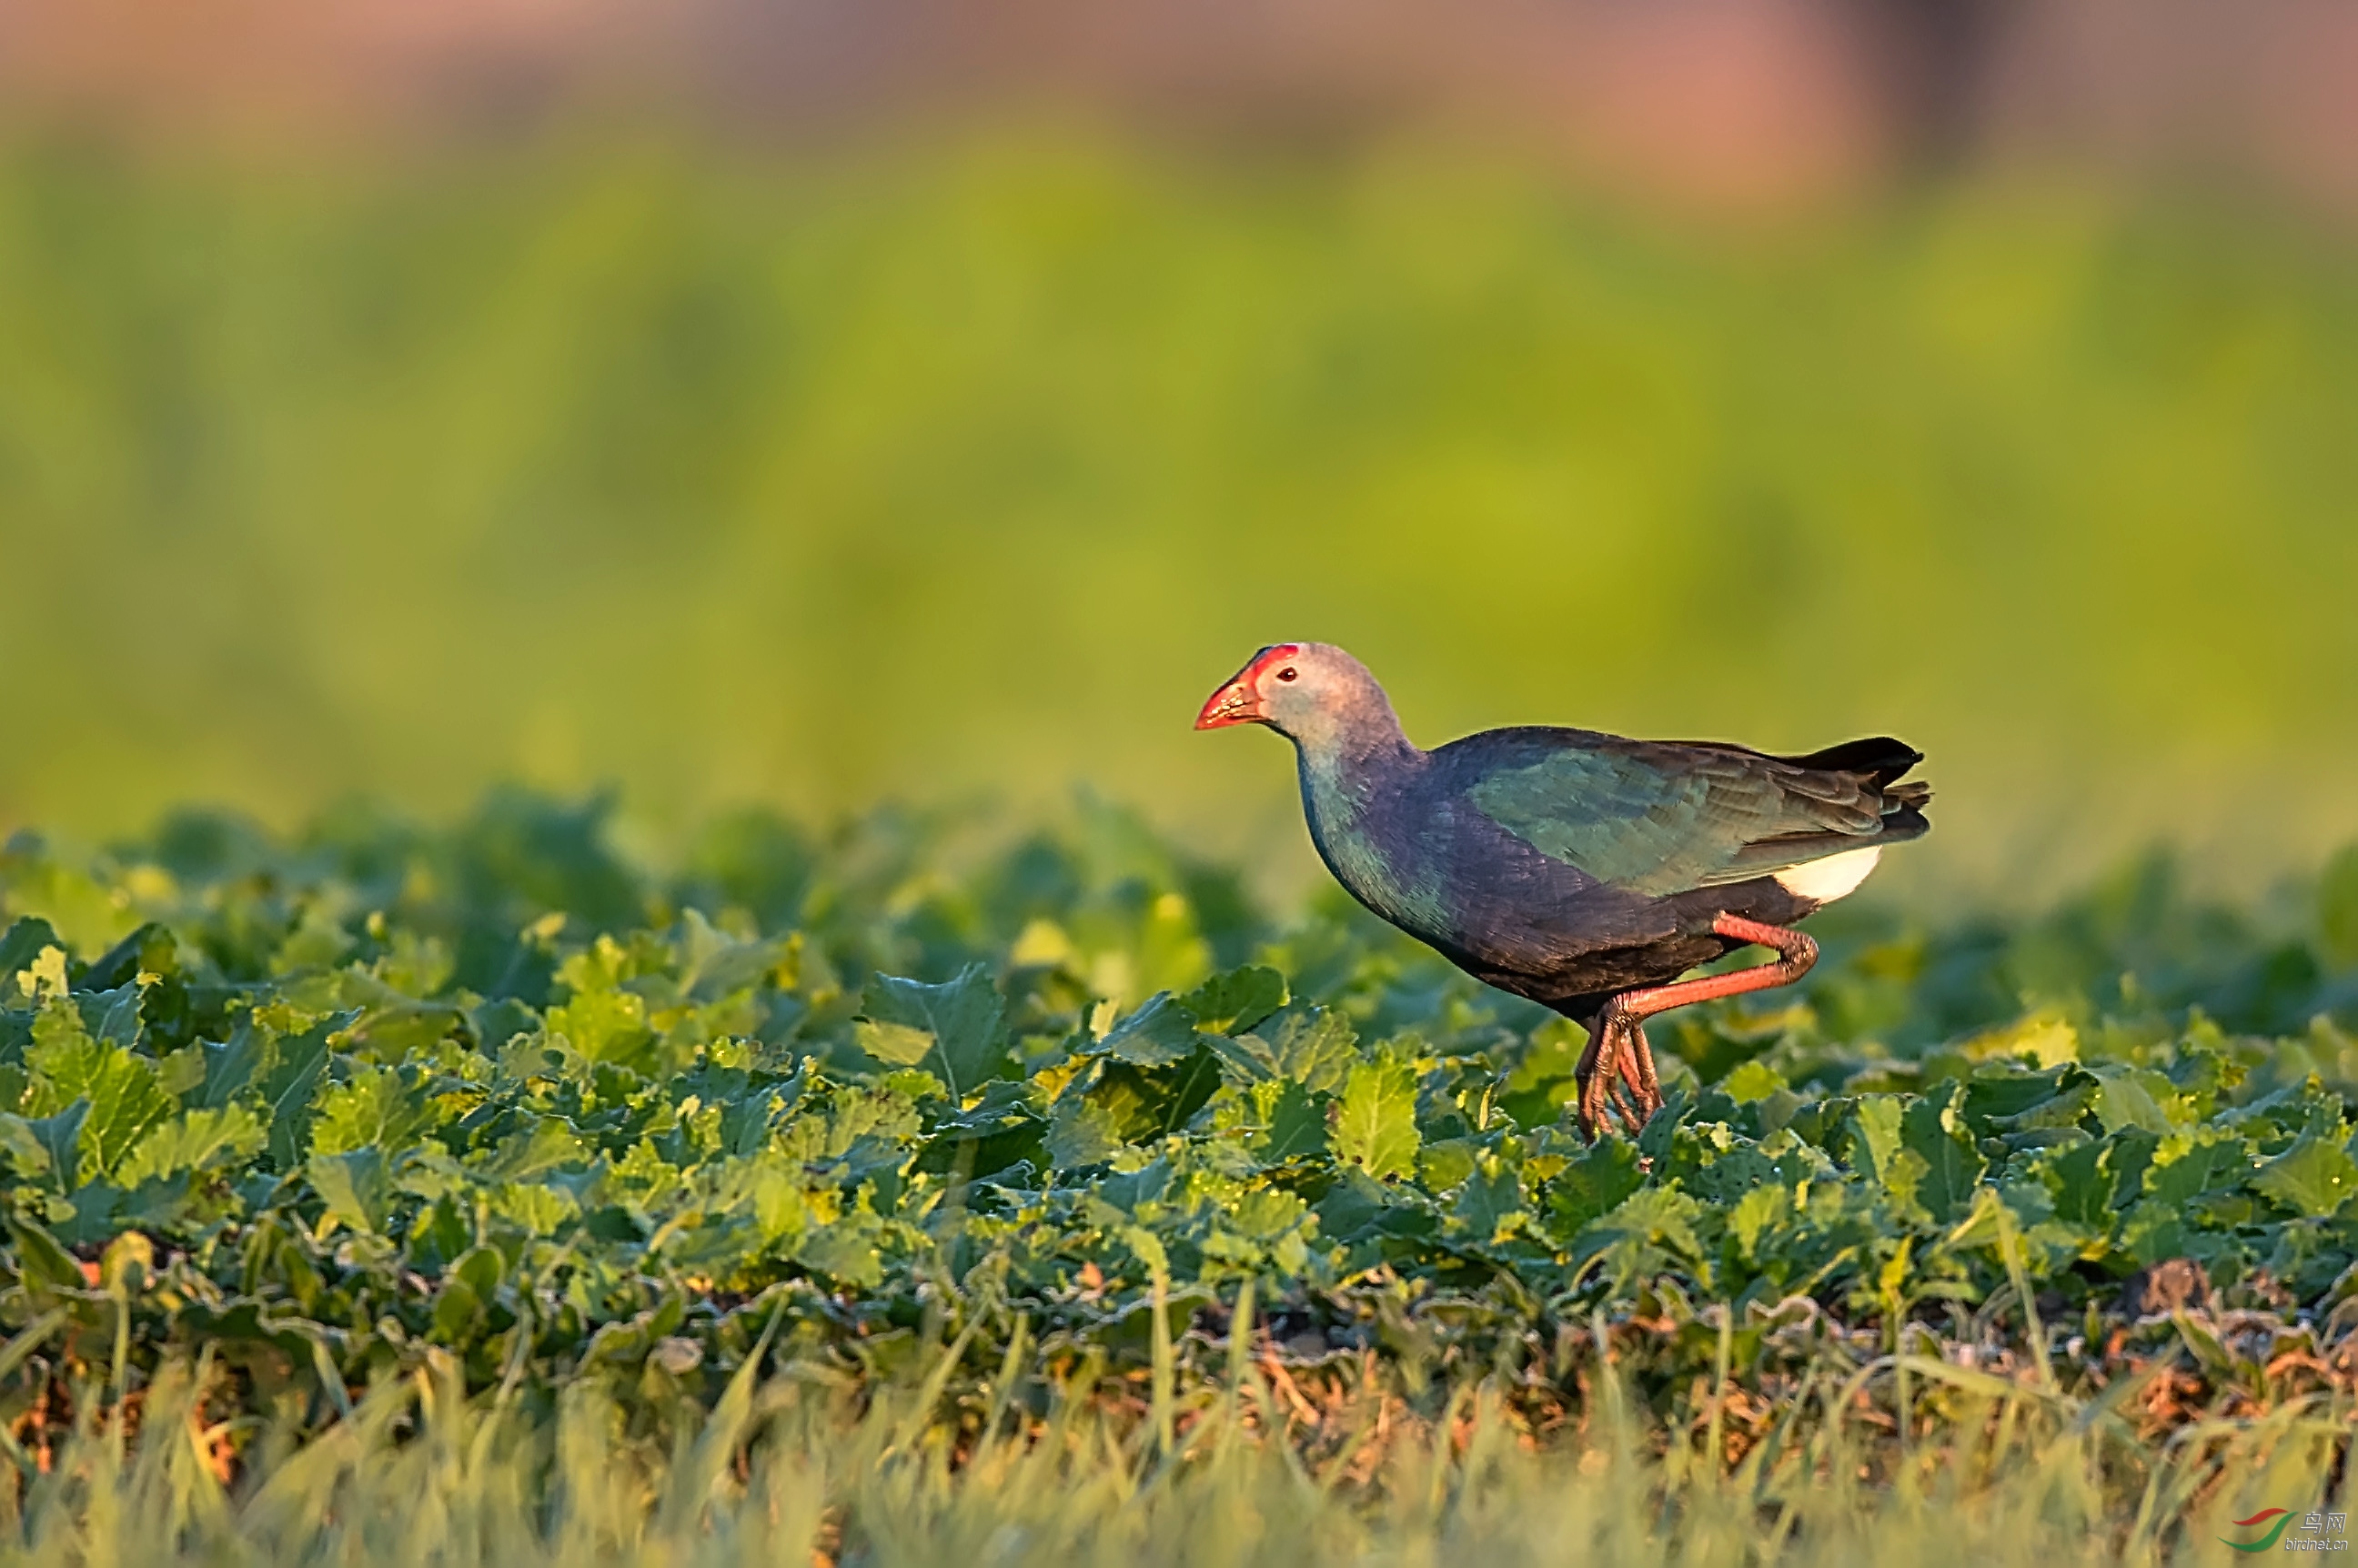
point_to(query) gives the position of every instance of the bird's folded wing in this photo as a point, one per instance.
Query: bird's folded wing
(1659, 819)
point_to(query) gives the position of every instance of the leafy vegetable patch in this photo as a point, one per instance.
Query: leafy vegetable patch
(319, 1108)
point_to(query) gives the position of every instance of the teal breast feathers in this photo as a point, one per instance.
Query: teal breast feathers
(1408, 895)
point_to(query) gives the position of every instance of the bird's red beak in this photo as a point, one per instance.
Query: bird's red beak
(1235, 703)
(1238, 701)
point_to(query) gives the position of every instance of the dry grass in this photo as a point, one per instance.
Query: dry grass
(800, 1469)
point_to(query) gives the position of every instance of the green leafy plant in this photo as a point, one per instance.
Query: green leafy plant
(378, 1090)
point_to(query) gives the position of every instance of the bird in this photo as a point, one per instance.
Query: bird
(1583, 870)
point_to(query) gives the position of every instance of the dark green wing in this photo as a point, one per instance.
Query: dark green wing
(1660, 818)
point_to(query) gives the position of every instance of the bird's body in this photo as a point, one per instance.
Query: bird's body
(1563, 865)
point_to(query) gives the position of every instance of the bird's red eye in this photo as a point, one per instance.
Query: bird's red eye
(1286, 674)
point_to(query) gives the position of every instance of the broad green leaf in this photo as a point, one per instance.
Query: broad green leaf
(372, 1108)
(1083, 1132)
(1161, 1032)
(480, 1269)
(27, 1154)
(113, 1017)
(1233, 1002)
(1932, 1129)
(1375, 1124)
(1137, 1104)
(1295, 1120)
(1730, 1174)
(535, 1208)
(844, 1251)
(1901, 1179)
(2065, 1110)
(399, 1030)
(2153, 1231)
(124, 1096)
(781, 1208)
(1875, 1139)
(713, 964)
(1595, 1184)
(1315, 1047)
(59, 1136)
(964, 1016)
(1491, 1203)
(604, 1025)
(1752, 1081)
(2046, 1037)
(2185, 1167)
(42, 1262)
(456, 1308)
(182, 1072)
(1126, 1191)
(2006, 1094)
(1879, 1151)
(357, 1186)
(1265, 1214)
(194, 1140)
(1754, 1213)
(1443, 1165)
(896, 1044)
(231, 1066)
(1650, 1229)
(2126, 1099)
(1357, 1208)
(287, 1088)
(1660, 1132)
(1149, 1247)
(2081, 1181)
(2315, 1176)
(744, 1127)
(549, 1143)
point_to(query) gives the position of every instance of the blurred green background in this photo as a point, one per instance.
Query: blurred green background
(964, 467)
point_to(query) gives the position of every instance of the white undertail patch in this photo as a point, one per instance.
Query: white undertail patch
(1827, 880)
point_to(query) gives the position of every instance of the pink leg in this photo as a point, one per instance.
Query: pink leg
(1618, 1050)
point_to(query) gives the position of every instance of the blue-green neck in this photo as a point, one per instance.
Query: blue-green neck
(1358, 790)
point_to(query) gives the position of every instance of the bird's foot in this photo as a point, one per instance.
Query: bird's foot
(1639, 1052)
(1643, 1094)
(1618, 1071)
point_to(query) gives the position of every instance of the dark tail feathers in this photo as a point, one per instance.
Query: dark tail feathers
(1882, 758)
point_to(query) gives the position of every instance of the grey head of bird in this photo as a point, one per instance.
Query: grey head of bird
(1313, 694)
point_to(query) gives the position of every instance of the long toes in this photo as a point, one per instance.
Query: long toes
(1647, 1083)
(1643, 1049)
(1591, 1105)
(1628, 1071)
(1626, 1095)
(1631, 1069)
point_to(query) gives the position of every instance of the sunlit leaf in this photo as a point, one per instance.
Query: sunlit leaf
(1375, 1122)
(964, 1017)
(121, 1088)
(1233, 1002)
(2315, 1176)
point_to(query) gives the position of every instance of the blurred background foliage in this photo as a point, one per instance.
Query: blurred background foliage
(956, 456)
